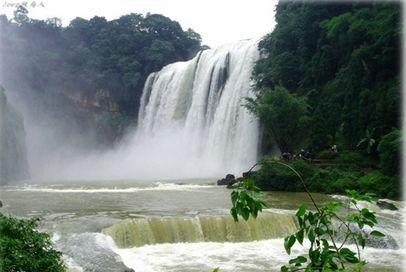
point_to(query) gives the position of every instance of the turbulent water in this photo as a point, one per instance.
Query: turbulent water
(179, 226)
(13, 160)
(192, 124)
(193, 111)
(200, 229)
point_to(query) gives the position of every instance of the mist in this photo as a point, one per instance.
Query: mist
(177, 137)
(80, 114)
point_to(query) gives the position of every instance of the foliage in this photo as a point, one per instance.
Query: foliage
(283, 116)
(347, 157)
(346, 174)
(368, 141)
(324, 252)
(48, 63)
(380, 184)
(319, 228)
(244, 200)
(23, 248)
(344, 58)
(326, 155)
(389, 152)
(333, 180)
(277, 177)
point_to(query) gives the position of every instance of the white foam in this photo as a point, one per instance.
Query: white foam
(266, 255)
(158, 186)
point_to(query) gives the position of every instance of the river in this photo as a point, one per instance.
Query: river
(174, 226)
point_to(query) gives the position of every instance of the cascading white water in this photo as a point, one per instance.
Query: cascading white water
(195, 108)
(192, 124)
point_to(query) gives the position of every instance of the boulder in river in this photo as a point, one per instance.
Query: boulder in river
(386, 205)
(229, 179)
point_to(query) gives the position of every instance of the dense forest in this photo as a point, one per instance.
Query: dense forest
(330, 75)
(94, 66)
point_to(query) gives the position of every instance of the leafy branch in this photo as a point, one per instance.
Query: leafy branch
(320, 227)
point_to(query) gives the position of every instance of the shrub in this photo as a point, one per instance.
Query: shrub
(283, 115)
(389, 152)
(380, 184)
(276, 177)
(333, 180)
(23, 248)
(326, 155)
(324, 250)
(349, 158)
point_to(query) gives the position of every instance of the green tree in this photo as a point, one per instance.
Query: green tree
(48, 64)
(368, 141)
(283, 115)
(389, 152)
(344, 57)
(23, 248)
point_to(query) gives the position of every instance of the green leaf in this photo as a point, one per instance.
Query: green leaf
(302, 210)
(216, 269)
(289, 242)
(245, 213)
(311, 235)
(349, 255)
(299, 236)
(368, 215)
(234, 197)
(325, 244)
(233, 212)
(298, 261)
(377, 233)
(319, 231)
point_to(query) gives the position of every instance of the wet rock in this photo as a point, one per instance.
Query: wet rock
(229, 179)
(386, 242)
(386, 205)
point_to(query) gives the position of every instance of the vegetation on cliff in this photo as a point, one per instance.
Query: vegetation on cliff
(97, 64)
(345, 59)
(339, 65)
(13, 151)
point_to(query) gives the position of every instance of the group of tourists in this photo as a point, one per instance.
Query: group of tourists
(304, 154)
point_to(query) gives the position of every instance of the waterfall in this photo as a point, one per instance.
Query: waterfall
(193, 111)
(13, 160)
(130, 233)
(191, 124)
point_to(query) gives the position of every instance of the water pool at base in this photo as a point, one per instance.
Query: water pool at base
(175, 226)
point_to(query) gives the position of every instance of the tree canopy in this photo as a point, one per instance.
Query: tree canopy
(284, 117)
(109, 60)
(344, 58)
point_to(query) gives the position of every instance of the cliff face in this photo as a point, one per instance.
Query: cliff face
(101, 100)
(13, 153)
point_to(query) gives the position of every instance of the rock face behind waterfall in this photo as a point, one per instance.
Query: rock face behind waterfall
(200, 104)
(13, 160)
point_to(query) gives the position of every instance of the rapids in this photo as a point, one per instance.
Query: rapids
(183, 225)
